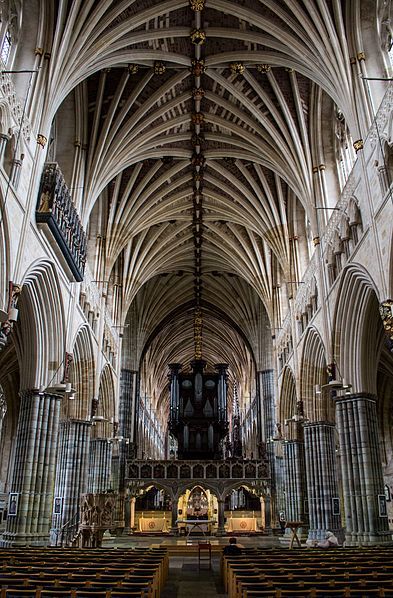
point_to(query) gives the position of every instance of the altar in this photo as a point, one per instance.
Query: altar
(152, 524)
(242, 524)
(204, 525)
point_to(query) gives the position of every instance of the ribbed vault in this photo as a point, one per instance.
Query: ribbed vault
(200, 127)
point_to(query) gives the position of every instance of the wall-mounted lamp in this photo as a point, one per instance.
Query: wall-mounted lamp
(98, 418)
(13, 314)
(297, 419)
(118, 439)
(338, 385)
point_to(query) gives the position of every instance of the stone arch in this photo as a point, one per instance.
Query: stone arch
(5, 118)
(83, 374)
(357, 330)
(106, 398)
(5, 245)
(390, 268)
(205, 484)
(39, 332)
(288, 397)
(313, 373)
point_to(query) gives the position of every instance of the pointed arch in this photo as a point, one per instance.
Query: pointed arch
(106, 402)
(313, 373)
(82, 374)
(5, 253)
(39, 333)
(288, 398)
(357, 330)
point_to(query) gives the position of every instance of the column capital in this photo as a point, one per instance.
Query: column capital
(319, 424)
(368, 396)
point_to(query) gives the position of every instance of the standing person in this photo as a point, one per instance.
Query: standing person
(232, 549)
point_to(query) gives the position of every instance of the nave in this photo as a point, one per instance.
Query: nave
(196, 282)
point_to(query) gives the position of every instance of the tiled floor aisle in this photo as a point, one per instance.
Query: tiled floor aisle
(186, 580)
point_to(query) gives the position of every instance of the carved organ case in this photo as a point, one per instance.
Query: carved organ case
(198, 413)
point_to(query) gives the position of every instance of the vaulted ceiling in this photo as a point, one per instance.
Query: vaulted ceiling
(201, 123)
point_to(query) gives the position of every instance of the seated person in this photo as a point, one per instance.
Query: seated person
(330, 541)
(232, 549)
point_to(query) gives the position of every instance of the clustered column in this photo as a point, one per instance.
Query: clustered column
(34, 470)
(127, 420)
(221, 518)
(294, 473)
(99, 465)
(266, 385)
(71, 476)
(363, 488)
(322, 486)
(267, 414)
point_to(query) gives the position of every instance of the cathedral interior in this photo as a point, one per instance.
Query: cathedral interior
(196, 282)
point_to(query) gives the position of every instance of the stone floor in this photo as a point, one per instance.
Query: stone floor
(186, 579)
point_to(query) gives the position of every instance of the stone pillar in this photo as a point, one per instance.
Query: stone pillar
(34, 469)
(267, 408)
(129, 389)
(322, 484)
(132, 511)
(71, 477)
(174, 528)
(266, 386)
(263, 520)
(295, 485)
(4, 139)
(363, 488)
(15, 172)
(268, 513)
(221, 518)
(127, 404)
(99, 465)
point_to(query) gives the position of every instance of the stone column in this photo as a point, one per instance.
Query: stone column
(34, 469)
(268, 513)
(267, 407)
(4, 139)
(16, 167)
(71, 477)
(266, 388)
(132, 511)
(221, 518)
(128, 403)
(129, 389)
(322, 484)
(295, 485)
(263, 520)
(363, 488)
(100, 459)
(174, 528)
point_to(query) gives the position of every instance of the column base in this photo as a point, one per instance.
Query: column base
(221, 532)
(364, 539)
(9, 540)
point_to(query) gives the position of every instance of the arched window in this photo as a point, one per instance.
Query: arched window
(6, 47)
(9, 29)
